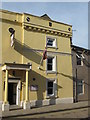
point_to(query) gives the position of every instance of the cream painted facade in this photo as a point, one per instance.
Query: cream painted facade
(19, 64)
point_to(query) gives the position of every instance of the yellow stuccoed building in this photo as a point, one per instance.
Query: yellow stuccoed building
(25, 78)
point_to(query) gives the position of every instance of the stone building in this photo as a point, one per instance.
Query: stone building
(81, 67)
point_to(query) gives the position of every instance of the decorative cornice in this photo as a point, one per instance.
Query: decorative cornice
(47, 31)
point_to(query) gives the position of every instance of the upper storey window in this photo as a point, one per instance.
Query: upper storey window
(51, 42)
(79, 59)
(51, 64)
(80, 87)
(50, 24)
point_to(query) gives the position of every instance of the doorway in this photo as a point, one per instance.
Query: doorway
(12, 93)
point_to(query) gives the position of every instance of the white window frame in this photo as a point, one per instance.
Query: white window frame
(82, 87)
(54, 87)
(54, 70)
(54, 42)
(80, 58)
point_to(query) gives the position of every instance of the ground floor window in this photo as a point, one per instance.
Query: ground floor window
(51, 88)
(81, 87)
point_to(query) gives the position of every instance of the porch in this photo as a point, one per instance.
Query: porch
(12, 86)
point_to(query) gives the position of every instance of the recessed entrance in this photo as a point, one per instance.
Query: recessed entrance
(12, 93)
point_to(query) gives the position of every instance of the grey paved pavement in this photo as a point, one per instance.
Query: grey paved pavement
(71, 110)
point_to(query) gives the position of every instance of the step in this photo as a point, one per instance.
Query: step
(15, 107)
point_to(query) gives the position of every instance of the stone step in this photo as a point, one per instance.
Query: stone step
(15, 107)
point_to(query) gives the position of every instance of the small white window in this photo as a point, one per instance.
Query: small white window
(79, 59)
(80, 87)
(51, 64)
(51, 42)
(51, 88)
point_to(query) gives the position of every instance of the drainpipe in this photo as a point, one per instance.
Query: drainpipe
(76, 87)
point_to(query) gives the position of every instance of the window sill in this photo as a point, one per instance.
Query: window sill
(52, 96)
(51, 72)
(80, 65)
(53, 47)
(81, 94)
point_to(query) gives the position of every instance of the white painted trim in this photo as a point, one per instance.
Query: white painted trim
(4, 67)
(51, 72)
(18, 93)
(39, 103)
(21, 103)
(14, 68)
(54, 42)
(5, 107)
(13, 81)
(26, 105)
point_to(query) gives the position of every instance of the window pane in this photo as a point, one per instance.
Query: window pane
(49, 67)
(50, 91)
(50, 24)
(49, 60)
(81, 82)
(49, 63)
(80, 89)
(50, 84)
(50, 42)
(78, 61)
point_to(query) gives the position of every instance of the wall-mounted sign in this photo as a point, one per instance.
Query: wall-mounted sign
(33, 87)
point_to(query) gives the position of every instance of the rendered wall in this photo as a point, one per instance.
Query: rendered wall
(64, 65)
(22, 53)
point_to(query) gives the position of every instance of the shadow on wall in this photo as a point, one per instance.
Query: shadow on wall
(73, 78)
(27, 52)
(41, 82)
(68, 76)
(86, 63)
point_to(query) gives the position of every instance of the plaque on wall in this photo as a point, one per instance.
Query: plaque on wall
(33, 87)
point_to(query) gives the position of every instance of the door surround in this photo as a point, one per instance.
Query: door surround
(17, 89)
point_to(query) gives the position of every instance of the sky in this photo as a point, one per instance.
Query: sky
(73, 13)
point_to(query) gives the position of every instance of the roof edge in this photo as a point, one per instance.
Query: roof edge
(81, 48)
(11, 12)
(48, 20)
